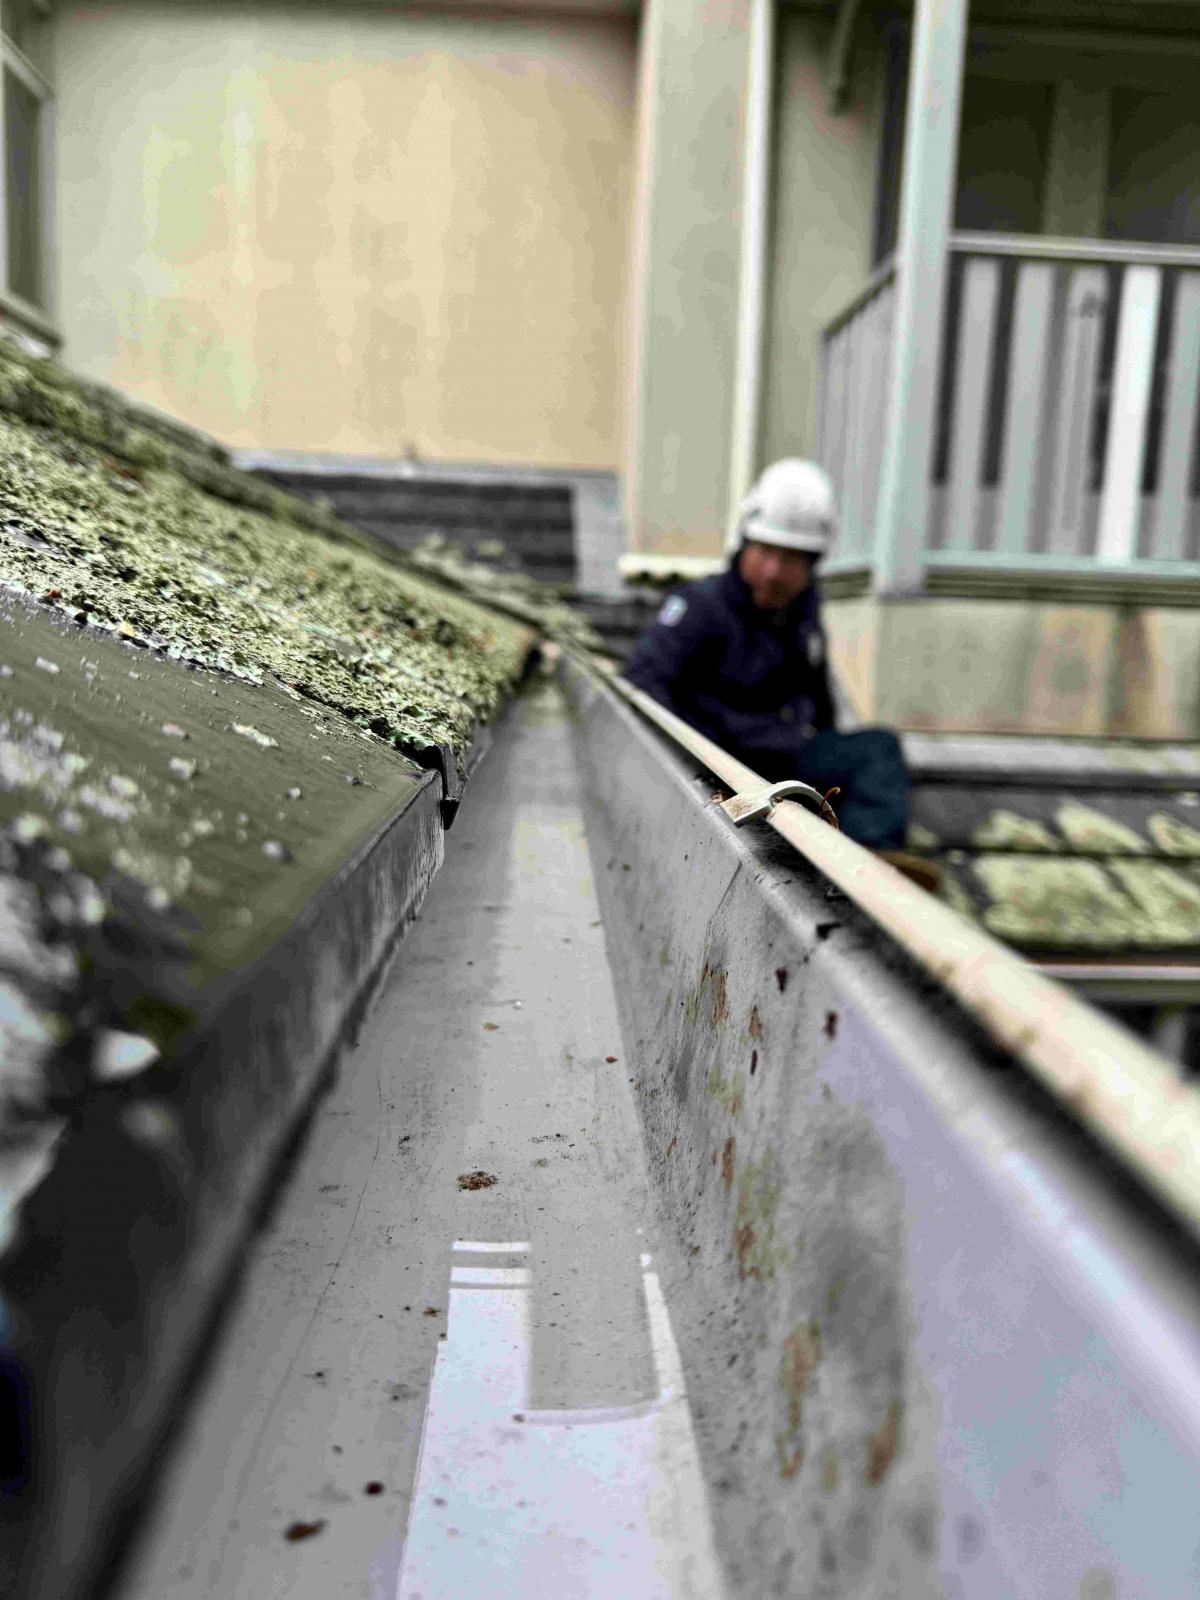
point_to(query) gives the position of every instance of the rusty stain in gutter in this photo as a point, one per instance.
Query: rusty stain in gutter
(801, 1355)
(883, 1444)
(729, 1161)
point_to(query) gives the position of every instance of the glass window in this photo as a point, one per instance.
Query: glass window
(1002, 147)
(1153, 188)
(23, 193)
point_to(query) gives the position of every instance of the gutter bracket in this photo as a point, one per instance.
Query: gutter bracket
(753, 805)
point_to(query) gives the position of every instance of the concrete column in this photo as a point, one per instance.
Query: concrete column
(688, 241)
(926, 213)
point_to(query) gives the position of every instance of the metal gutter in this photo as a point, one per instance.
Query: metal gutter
(1121, 1091)
(927, 1319)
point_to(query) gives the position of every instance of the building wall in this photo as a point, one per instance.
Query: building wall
(363, 231)
(823, 198)
(692, 122)
(965, 665)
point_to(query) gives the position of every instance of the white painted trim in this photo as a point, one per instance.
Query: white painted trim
(41, 320)
(660, 568)
(1129, 413)
(927, 198)
(1036, 247)
(47, 155)
(879, 279)
(3, 183)
(756, 181)
(23, 68)
(645, 188)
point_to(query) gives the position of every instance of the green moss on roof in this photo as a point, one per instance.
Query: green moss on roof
(1041, 904)
(1121, 877)
(146, 553)
(1167, 903)
(1008, 830)
(1092, 833)
(1173, 837)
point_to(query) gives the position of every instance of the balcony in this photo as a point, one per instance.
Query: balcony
(1065, 425)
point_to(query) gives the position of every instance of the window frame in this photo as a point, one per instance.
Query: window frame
(39, 320)
(1016, 51)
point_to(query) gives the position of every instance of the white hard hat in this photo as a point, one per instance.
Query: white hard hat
(791, 505)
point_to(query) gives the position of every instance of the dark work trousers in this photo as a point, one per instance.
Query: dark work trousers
(868, 767)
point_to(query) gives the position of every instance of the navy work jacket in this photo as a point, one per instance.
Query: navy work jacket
(755, 681)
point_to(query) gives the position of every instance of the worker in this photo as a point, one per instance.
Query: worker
(741, 656)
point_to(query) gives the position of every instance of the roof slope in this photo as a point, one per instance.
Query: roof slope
(166, 811)
(161, 542)
(1106, 865)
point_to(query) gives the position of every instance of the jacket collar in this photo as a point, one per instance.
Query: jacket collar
(803, 608)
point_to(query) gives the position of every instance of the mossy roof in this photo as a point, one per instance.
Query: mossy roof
(1095, 872)
(211, 694)
(138, 532)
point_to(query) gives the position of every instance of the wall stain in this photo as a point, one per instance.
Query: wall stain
(829, 1470)
(883, 1444)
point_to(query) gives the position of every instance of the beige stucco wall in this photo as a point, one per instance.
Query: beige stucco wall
(1018, 666)
(823, 197)
(369, 231)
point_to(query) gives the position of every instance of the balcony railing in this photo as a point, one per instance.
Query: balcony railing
(852, 411)
(1067, 416)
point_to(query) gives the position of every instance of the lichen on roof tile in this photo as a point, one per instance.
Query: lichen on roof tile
(1056, 903)
(1009, 830)
(919, 837)
(1173, 837)
(1092, 833)
(153, 558)
(1168, 903)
